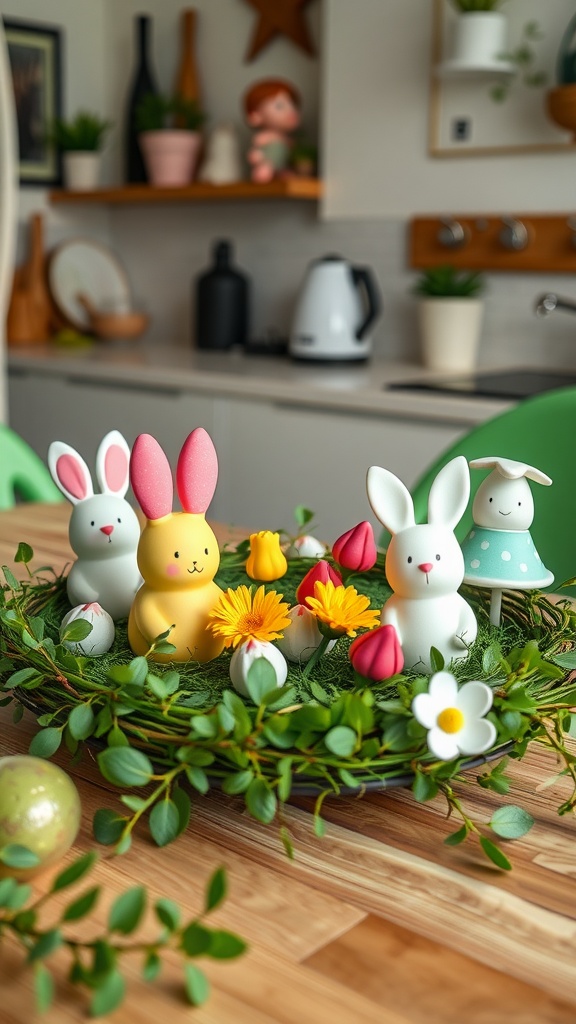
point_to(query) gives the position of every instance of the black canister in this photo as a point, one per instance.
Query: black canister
(222, 302)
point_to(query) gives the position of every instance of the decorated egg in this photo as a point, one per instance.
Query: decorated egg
(245, 656)
(101, 637)
(39, 809)
(306, 546)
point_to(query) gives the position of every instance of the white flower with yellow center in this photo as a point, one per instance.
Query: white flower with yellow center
(455, 718)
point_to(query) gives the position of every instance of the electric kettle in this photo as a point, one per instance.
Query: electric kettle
(336, 307)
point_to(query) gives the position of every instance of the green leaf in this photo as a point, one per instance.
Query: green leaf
(168, 913)
(43, 985)
(109, 994)
(133, 803)
(23, 675)
(197, 777)
(152, 967)
(46, 742)
(24, 553)
(81, 721)
(196, 984)
(238, 782)
(14, 855)
(164, 822)
(341, 740)
(81, 866)
(10, 578)
(319, 826)
(261, 680)
(127, 910)
(8, 887)
(216, 890)
(82, 906)
(108, 826)
(261, 801)
(424, 787)
(76, 631)
(511, 822)
(195, 939)
(302, 516)
(495, 854)
(183, 806)
(46, 944)
(455, 838)
(226, 945)
(125, 766)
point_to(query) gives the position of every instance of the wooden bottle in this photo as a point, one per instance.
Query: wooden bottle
(187, 83)
(30, 310)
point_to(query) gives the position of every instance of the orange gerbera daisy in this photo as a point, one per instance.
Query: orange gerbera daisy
(242, 615)
(341, 610)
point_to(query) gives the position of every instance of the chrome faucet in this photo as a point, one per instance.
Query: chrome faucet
(550, 301)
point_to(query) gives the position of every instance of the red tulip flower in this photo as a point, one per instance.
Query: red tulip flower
(319, 573)
(377, 655)
(356, 549)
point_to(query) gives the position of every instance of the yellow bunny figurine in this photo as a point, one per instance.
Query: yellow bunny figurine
(178, 553)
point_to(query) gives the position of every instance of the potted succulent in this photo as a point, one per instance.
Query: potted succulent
(169, 137)
(450, 318)
(80, 141)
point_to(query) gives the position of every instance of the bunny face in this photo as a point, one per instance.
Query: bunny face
(178, 553)
(103, 528)
(424, 562)
(503, 504)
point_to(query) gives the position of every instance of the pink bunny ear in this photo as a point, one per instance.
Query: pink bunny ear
(69, 472)
(197, 471)
(151, 477)
(113, 463)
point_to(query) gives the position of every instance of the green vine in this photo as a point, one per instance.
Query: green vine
(164, 732)
(96, 964)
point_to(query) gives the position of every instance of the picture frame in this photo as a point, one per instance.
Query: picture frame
(34, 52)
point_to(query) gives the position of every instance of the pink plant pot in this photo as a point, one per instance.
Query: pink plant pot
(170, 156)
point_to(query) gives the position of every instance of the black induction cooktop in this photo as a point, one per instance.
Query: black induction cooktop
(518, 383)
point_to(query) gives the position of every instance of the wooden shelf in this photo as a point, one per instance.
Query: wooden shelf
(289, 188)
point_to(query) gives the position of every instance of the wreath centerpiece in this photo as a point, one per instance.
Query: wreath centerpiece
(309, 695)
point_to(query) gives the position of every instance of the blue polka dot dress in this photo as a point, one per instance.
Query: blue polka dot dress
(503, 558)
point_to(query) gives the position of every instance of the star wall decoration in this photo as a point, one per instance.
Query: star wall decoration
(280, 18)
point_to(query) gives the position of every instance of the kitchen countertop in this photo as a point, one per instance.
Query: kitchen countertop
(351, 387)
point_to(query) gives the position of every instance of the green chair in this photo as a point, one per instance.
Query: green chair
(23, 475)
(542, 432)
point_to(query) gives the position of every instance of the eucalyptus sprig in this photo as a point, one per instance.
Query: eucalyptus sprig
(96, 964)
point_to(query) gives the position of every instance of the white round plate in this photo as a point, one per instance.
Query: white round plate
(79, 265)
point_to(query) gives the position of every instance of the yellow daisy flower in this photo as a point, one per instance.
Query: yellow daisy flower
(242, 615)
(341, 610)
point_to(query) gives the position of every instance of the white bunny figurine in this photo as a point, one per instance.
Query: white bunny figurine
(424, 564)
(104, 530)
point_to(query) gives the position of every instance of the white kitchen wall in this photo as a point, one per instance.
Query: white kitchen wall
(376, 88)
(367, 93)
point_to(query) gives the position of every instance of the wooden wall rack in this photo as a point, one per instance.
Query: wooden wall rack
(550, 242)
(288, 188)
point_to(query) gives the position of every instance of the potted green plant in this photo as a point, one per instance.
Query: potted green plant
(479, 39)
(80, 141)
(169, 137)
(450, 314)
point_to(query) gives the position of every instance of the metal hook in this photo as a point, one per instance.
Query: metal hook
(452, 234)
(514, 234)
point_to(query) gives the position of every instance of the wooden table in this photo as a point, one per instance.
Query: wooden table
(376, 923)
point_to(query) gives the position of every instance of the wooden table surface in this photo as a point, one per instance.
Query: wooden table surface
(376, 923)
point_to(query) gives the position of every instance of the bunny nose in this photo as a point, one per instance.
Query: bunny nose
(107, 530)
(426, 567)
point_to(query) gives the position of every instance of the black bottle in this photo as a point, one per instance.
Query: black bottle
(222, 302)
(143, 83)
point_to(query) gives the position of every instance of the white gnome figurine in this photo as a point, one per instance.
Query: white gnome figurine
(424, 565)
(499, 551)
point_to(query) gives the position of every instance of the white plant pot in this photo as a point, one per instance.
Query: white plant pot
(450, 333)
(82, 170)
(170, 156)
(479, 38)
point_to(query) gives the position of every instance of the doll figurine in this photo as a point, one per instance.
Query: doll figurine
(272, 108)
